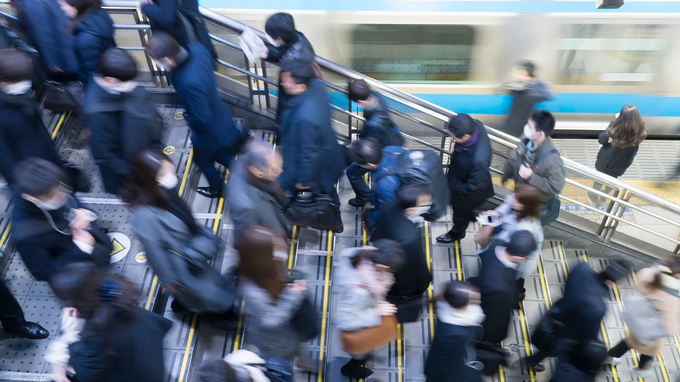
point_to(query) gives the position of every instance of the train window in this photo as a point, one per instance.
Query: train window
(610, 54)
(416, 53)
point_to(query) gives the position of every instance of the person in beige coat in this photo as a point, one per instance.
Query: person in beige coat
(660, 284)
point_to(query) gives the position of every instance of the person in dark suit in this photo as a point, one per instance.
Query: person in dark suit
(581, 363)
(164, 16)
(469, 176)
(496, 282)
(582, 307)
(526, 92)
(49, 226)
(13, 320)
(121, 116)
(22, 132)
(312, 157)
(93, 32)
(399, 221)
(119, 341)
(213, 133)
(459, 317)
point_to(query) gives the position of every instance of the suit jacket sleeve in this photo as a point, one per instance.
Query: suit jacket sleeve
(554, 180)
(101, 146)
(89, 52)
(309, 151)
(199, 109)
(89, 359)
(161, 13)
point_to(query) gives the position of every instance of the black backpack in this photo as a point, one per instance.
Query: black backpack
(140, 127)
(424, 166)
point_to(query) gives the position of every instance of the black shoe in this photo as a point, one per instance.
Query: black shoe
(30, 330)
(356, 202)
(356, 369)
(209, 192)
(539, 368)
(178, 308)
(447, 238)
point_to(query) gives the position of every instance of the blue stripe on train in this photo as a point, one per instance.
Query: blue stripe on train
(523, 6)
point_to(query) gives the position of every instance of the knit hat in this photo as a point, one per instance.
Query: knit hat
(522, 243)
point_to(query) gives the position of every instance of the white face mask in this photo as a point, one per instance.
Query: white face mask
(19, 88)
(53, 204)
(416, 217)
(527, 132)
(168, 181)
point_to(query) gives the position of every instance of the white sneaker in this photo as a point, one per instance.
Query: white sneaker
(641, 373)
(615, 361)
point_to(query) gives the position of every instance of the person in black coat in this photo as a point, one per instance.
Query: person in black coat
(121, 116)
(582, 307)
(119, 342)
(582, 362)
(469, 176)
(93, 31)
(378, 126)
(13, 320)
(167, 16)
(496, 282)
(526, 92)
(399, 220)
(620, 143)
(290, 45)
(312, 157)
(22, 132)
(452, 356)
(49, 226)
(213, 133)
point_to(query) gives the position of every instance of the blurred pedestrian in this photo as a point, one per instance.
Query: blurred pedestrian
(452, 356)
(254, 197)
(365, 275)
(581, 363)
(469, 176)
(92, 28)
(526, 91)
(214, 136)
(178, 249)
(538, 162)
(119, 341)
(619, 145)
(13, 320)
(50, 227)
(661, 287)
(313, 160)
(121, 116)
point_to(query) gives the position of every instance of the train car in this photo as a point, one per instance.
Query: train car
(458, 54)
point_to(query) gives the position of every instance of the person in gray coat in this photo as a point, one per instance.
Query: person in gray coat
(254, 197)
(364, 276)
(164, 224)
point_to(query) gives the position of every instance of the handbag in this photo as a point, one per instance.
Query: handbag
(367, 339)
(491, 356)
(408, 308)
(201, 248)
(306, 321)
(244, 135)
(309, 209)
(63, 97)
(546, 332)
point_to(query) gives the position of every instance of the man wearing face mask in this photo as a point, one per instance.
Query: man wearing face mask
(214, 135)
(22, 132)
(121, 116)
(537, 162)
(400, 220)
(469, 176)
(49, 226)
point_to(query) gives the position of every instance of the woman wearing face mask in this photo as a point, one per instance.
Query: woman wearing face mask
(364, 276)
(178, 249)
(452, 355)
(620, 143)
(520, 211)
(22, 132)
(93, 34)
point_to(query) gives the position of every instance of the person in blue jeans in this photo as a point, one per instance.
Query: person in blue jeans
(367, 154)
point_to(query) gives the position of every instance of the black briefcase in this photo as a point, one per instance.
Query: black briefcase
(309, 209)
(408, 309)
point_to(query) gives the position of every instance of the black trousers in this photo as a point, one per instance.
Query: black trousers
(11, 314)
(355, 174)
(622, 348)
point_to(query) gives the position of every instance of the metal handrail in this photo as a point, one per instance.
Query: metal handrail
(419, 105)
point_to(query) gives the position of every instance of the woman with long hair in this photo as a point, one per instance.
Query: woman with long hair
(115, 340)
(93, 34)
(177, 248)
(620, 143)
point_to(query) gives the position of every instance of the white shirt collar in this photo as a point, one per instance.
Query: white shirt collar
(501, 257)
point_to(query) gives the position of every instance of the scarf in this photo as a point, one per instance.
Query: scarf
(472, 315)
(378, 283)
(474, 138)
(530, 152)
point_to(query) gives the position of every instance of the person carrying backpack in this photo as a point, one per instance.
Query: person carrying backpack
(121, 116)
(651, 313)
(179, 18)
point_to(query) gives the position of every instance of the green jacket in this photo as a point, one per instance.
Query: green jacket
(548, 174)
